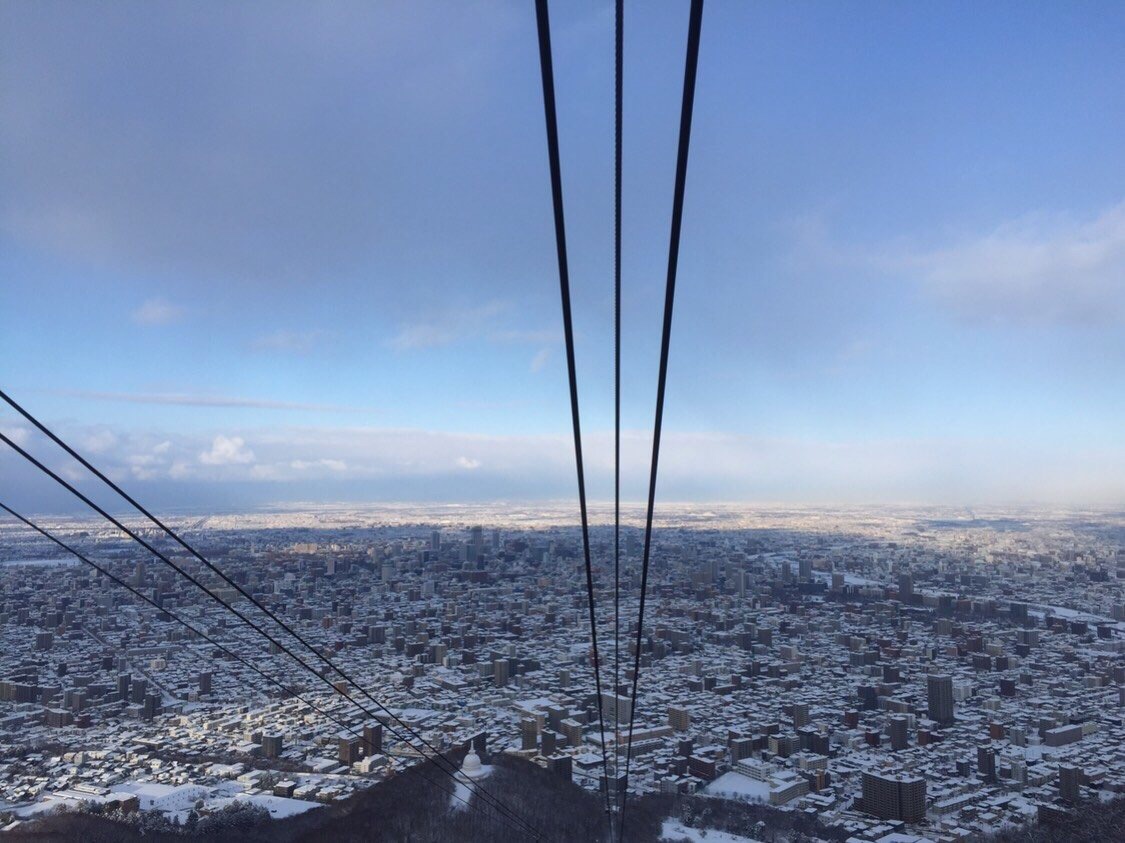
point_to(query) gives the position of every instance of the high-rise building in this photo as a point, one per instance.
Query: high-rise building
(476, 543)
(573, 731)
(745, 586)
(679, 718)
(548, 743)
(561, 765)
(151, 705)
(741, 748)
(869, 696)
(348, 748)
(272, 745)
(372, 739)
(800, 715)
(555, 716)
(939, 698)
(986, 762)
(912, 798)
(500, 672)
(905, 587)
(1019, 772)
(1070, 781)
(479, 744)
(616, 707)
(529, 733)
(435, 540)
(896, 728)
(892, 797)
(58, 718)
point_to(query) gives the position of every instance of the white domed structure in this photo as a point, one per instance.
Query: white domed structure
(471, 766)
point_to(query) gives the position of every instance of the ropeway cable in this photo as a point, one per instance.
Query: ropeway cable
(618, 120)
(691, 63)
(542, 15)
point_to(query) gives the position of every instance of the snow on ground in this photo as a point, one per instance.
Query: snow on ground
(162, 797)
(736, 784)
(676, 830)
(175, 802)
(46, 805)
(541, 704)
(278, 806)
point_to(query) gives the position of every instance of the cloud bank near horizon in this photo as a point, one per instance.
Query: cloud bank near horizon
(280, 465)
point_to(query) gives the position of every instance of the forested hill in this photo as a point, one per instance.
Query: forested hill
(410, 809)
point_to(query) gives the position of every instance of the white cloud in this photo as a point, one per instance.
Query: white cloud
(424, 335)
(19, 435)
(267, 472)
(447, 326)
(296, 342)
(1040, 268)
(546, 335)
(150, 462)
(226, 450)
(330, 464)
(540, 360)
(694, 466)
(74, 473)
(156, 312)
(187, 400)
(99, 441)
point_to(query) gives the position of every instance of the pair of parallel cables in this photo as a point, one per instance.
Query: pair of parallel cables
(691, 63)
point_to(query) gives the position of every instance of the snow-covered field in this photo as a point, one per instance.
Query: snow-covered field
(676, 830)
(736, 784)
(278, 806)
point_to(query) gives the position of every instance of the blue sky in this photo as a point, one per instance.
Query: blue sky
(283, 251)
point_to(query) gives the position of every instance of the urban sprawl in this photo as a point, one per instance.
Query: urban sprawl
(904, 674)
